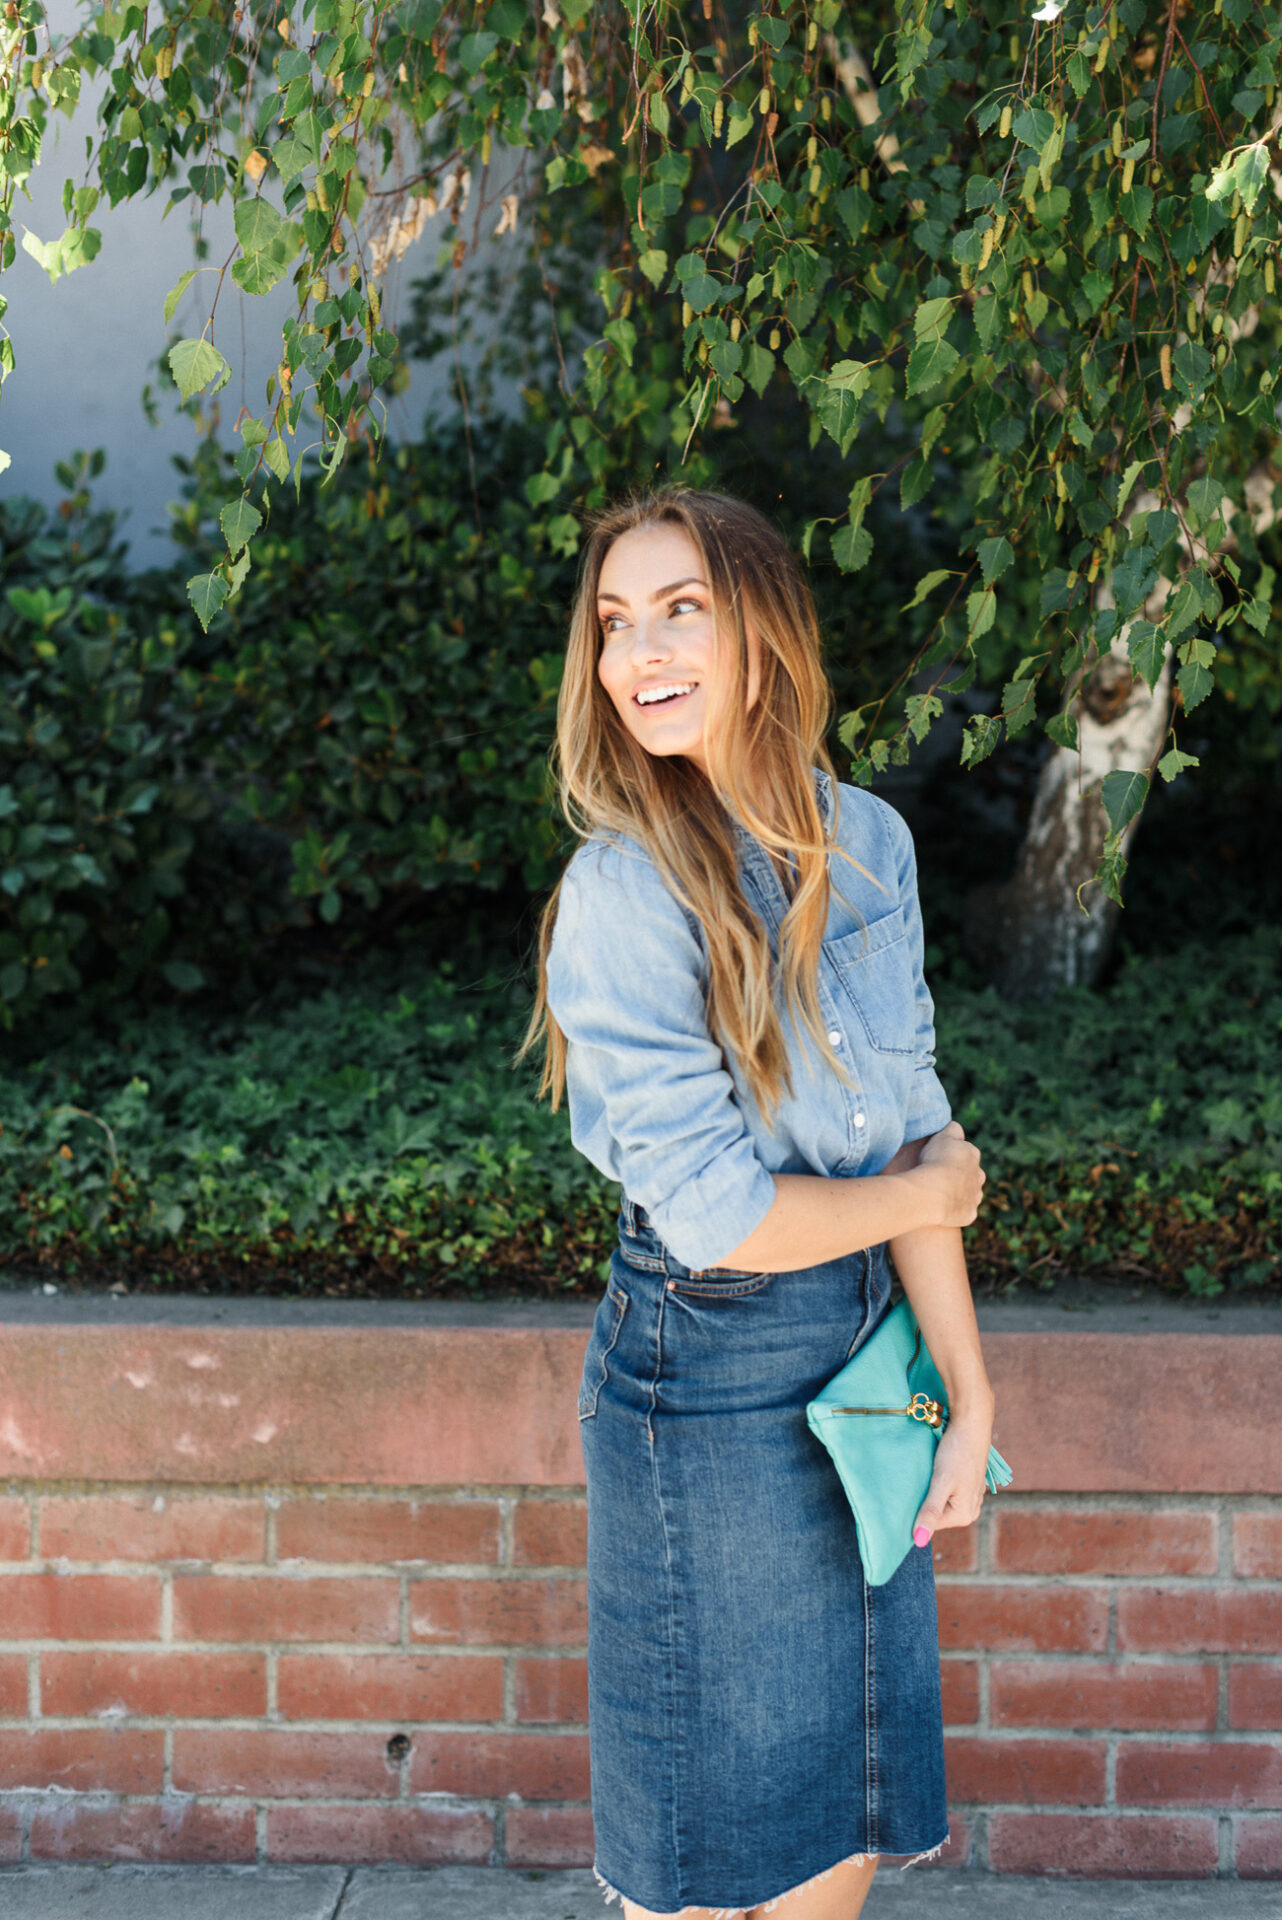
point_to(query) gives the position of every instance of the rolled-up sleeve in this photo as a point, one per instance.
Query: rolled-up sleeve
(651, 1102)
(928, 1106)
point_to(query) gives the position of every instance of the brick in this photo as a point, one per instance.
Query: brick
(549, 1837)
(959, 1682)
(10, 1834)
(283, 1763)
(1198, 1620)
(389, 1686)
(552, 1690)
(536, 1766)
(83, 1759)
(1023, 1619)
(550, 1533)
(1103, 1846)
(190, 1831)
(1258, 1849)
(1257, 1546)
(80, 1606)
(1255, 1696)
(1061, 1772)
(1121, 1540)
(955, 1550)
(1089, 1694)
(150, 1526)
(499, 1612)
(406, 1836)
(13, 1685)
(211, 1606)
(337, 1527)
(956, 1850)
(191, 1685)
(15, 1528)
(1224, 1774)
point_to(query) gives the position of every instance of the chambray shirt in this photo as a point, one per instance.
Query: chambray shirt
(656, 1105)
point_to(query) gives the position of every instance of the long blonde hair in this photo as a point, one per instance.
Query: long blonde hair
(607, 780)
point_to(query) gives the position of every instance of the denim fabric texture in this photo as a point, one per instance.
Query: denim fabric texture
(757, 1712)
(654, 1103)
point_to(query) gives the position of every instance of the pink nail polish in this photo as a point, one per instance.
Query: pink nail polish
(921, 1536)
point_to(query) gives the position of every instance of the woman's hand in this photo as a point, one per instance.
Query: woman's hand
(956, 1491)
(951, 1164)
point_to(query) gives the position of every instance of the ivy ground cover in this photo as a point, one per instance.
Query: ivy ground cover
(375, 1138)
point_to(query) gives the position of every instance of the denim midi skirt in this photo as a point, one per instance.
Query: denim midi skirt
(758, 1714)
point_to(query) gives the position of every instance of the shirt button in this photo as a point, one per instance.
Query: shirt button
(861, 1120)
(834, 1038)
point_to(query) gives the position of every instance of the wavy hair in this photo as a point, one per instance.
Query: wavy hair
(607, 780)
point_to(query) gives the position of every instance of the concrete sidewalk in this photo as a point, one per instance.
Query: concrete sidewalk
(498, 1893)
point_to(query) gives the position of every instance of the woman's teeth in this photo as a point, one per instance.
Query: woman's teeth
(663, 697)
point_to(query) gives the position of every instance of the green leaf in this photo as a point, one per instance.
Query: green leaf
(926, 585)
(757, 366)
(206, 591)
(1129, 478)
(919, 710)
(983, 731)
(1194, 683)
(1112, 869)
(1204, 499)
(276, 458)
(1191, 369)
(995, 556)
(177, 291)
(540, 488)
(1144, 644)
(258, 225)
(981, 611)
(1019, 705)
(739, 124)
(1173, 763)
(1033, 127)
(1123, 795)
(183, 975)
(1183, 608)
(1250, 172)
(1136, 208)
(474, 49)
(239, 522)
(930, 361)
(851, 548)
(654, 265)
(194, 363)
(1062, 729)
(931, 315)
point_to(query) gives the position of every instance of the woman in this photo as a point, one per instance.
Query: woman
(763, 1724)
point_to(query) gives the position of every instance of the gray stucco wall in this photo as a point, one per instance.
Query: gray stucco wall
(86, 347)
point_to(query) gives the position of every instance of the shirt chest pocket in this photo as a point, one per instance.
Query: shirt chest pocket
(874, 970)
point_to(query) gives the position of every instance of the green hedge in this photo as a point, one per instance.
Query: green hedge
(367, 726)
(376, 1138)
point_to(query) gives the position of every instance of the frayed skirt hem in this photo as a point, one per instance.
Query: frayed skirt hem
(767, 1906)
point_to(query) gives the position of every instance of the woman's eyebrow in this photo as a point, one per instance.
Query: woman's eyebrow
(690, 581)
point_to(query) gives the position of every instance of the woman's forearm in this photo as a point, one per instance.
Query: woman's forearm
(931, 1265)
(815, 1219)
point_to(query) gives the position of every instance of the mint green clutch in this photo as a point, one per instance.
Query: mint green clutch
(881, 1418)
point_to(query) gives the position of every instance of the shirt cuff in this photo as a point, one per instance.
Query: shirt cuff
(702, 1229)
(928, 1108)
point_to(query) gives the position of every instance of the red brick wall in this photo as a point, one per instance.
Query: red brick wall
(306, 1662)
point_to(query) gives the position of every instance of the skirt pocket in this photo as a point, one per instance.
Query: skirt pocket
(606, 1325)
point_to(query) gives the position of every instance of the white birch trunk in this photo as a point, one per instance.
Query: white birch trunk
(1031, 934)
